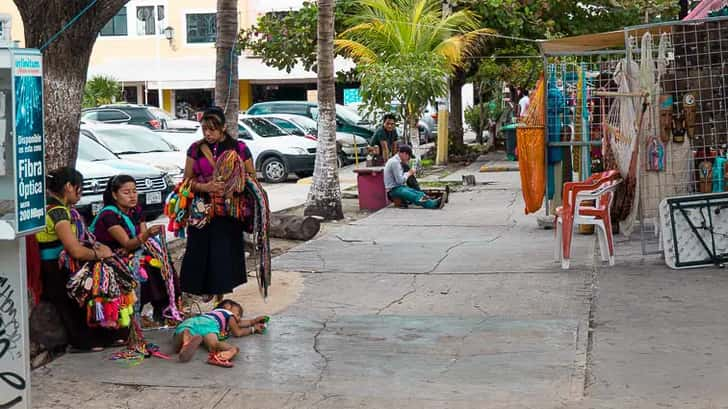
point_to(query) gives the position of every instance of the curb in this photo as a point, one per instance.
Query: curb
(499, 168)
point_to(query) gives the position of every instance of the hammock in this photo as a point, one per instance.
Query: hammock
(531, 145)
(622, 136)
(260, 229)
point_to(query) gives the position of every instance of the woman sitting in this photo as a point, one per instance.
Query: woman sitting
(119, 225)
(65, 231)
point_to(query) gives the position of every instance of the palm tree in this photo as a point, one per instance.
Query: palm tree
(101, 90)
(408, 33)
(227, 94)
(324, 198)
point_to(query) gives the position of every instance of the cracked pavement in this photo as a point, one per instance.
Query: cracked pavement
(409, 308)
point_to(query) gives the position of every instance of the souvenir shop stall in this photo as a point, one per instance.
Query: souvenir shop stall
(648, 101)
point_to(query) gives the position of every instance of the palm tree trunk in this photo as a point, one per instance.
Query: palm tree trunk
(455, 120)
(227, 94)
(324, 198)
(64, 72)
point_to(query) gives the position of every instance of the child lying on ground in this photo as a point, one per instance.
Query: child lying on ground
(212, 328)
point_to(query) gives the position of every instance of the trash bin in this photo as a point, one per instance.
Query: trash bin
(509, 132)
(370, 184)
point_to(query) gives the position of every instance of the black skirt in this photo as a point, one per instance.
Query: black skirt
(214, 260)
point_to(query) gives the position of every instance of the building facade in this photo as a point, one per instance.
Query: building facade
(163, 54)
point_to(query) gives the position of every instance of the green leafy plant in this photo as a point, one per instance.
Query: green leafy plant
(101, 90)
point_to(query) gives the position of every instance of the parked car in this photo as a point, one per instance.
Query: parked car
(139, 145)
(349, 146)
(97, 165)
(426, 125)
(170, 122)
(276, 153)
(131, 114)
(346, 119)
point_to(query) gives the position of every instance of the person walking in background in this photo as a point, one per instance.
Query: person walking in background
(65, 232)
(523, 104)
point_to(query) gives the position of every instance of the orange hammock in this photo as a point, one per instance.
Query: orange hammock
(531, 145)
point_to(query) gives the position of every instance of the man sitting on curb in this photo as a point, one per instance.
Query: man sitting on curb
(395, 181)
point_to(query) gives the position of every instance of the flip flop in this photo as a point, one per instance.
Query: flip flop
(189, 348)
(214, 359)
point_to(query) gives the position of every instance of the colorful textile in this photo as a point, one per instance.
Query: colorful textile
(202, 168)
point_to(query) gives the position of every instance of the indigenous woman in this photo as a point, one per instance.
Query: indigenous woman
(119, 225)
(214, 260)
(65, 231)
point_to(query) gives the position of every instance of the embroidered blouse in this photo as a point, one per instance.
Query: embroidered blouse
(202, 168)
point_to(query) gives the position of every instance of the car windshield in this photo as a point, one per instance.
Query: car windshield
(161, 114)
(91, 151)
(350, 115)
(306, 123)
(263, 127)
(134, 139)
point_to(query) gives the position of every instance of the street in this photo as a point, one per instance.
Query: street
(458, 308)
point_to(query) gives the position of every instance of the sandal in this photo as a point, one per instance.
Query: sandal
(214, 359)
(189, 348)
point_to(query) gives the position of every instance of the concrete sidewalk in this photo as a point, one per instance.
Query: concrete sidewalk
(455, 308)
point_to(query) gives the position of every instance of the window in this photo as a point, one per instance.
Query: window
(201, 28)
(145, 20)
(116, 26)
(114, 115)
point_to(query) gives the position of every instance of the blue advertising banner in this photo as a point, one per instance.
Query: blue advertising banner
(351, 95)
(29, 153)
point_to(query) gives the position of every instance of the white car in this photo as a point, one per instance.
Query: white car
(276, 153)
(138, 144)
(170, 122)
(350, 148)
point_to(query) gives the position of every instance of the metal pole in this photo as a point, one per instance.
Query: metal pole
(585, 159)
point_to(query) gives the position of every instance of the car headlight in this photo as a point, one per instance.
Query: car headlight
(298, 150)
(169, 180)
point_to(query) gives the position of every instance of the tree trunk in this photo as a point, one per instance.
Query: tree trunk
(292, 227)
(324, 198)
(227, 95)
(455, 120)
(65, 63)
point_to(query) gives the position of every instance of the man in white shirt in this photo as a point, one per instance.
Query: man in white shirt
(523, 104)
(395, 181)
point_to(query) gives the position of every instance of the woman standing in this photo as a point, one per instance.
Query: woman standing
(64, 230)
(119, 225)
(214, 260)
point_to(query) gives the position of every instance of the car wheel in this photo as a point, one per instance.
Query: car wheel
(341, 160)
(274, 170)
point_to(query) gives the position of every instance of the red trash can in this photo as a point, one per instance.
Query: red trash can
(370, 184)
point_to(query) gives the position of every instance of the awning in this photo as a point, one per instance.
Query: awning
(596, 42)
(199, 72)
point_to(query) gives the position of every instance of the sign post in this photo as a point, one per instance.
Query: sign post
(22, 210)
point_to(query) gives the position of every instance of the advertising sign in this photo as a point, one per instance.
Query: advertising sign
(28, 140)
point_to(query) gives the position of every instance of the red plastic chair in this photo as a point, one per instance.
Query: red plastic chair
(598, 188)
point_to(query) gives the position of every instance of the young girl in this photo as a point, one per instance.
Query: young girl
(212, 328)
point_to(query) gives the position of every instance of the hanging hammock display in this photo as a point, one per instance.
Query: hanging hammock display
(531, 145)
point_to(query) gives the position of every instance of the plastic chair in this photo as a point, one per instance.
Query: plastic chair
(598, 189)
